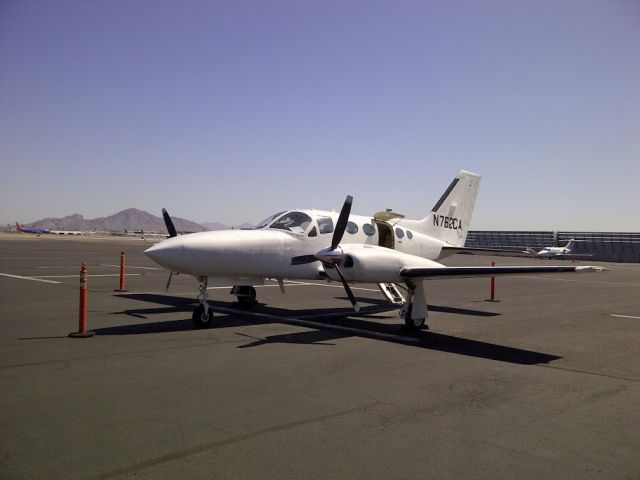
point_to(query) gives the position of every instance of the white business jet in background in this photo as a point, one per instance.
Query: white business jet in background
(556, 252)
(396, 253)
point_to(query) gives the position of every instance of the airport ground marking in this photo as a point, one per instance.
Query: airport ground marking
(624, 316)
(33, 279)
(130, 266)
(92, 275)
(66, 267)
(227, 287)
(293, 283)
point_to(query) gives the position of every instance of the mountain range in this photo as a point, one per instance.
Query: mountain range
(131, 219)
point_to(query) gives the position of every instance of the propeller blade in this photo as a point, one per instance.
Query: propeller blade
(303, 259)
(169, 223)
(342, 222)
(354, 302)
(168, 282)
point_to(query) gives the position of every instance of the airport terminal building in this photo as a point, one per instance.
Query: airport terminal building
(604, 246)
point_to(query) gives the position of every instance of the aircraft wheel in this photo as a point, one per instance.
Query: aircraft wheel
(200, 319)
(248, 296)
(413, 324)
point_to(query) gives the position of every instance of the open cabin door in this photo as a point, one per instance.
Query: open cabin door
(385, 222)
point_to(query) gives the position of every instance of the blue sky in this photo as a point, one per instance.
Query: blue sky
(229, 111)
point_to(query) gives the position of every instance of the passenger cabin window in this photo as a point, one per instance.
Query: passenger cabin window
(295, 222)
(369, 229)
(325, 225)
(352, 228)
(399, 233)
(409, 234)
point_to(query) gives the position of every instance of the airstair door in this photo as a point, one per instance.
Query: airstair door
(385, 235)
(385, 221)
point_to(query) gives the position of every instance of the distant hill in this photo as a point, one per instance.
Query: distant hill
(221, 226)
(130, 219)
(214, 226)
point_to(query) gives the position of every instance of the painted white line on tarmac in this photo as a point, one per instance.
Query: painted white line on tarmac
(34, 279)
(96, 275)
(321, 326)
(333, 286)
(57, 267)
(293, 283)
(231, 286)
(624, 316)
(130, 266)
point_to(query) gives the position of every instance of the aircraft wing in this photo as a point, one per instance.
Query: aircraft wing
(471, 272)
(498, 252)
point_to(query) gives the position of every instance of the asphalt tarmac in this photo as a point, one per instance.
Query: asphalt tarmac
(544, 383)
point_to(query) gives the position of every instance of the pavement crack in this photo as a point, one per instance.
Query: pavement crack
(590, 372)
(170, 457)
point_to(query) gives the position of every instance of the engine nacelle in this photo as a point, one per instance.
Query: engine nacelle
(374, 264)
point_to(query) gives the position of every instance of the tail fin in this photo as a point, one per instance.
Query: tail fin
(569, 245)
(18, 227)
(450, 217)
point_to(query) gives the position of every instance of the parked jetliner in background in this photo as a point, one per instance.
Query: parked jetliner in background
(396, 253)
(566, 251)
(37, 230)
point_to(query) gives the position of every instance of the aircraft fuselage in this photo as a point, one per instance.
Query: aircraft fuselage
(233, 255)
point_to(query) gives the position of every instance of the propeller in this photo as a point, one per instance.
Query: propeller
(172, 233)
(168, 282)
(169, 223)
(332, 256)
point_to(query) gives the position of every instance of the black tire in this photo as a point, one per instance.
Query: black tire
(252, 293)
(248, 296)
(413, 325)
(200, 320)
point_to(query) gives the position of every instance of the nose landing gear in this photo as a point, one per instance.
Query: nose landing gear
(202, 315)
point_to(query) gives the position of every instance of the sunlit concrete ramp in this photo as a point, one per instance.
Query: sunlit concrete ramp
(543, 383)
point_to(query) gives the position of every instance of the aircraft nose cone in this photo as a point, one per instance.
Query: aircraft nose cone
(165, 253)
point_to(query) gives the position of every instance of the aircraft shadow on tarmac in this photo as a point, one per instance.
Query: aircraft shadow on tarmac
(329, 323)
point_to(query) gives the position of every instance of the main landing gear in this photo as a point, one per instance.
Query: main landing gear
(246, 294)
(202, 315)
(414, 312)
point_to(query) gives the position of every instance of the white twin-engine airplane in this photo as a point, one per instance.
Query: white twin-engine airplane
(396, 253)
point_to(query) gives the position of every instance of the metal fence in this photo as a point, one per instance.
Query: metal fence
(603, 246)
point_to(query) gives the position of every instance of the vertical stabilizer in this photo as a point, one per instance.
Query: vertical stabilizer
(569, 246)
(450, 217)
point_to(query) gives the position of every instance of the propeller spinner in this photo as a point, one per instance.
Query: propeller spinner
(333, 255)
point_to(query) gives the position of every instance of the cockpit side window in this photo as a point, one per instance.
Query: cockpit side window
(325, 225)
(267, 220)
(295, 222)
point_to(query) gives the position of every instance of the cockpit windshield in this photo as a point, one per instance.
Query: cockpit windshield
(267, 220)
(295, 222)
